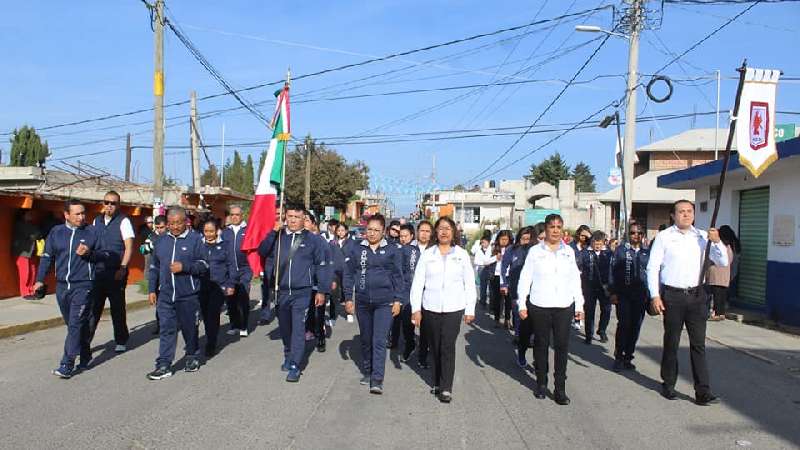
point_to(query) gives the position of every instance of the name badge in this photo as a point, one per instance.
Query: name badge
(183, 248)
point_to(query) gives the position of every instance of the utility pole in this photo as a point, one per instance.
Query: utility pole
(195, 143)
(128, 158)
(629, 143)
(158, 107)
(716, 128)
(307, 197)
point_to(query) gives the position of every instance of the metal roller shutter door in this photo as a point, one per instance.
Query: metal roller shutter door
(754, 235)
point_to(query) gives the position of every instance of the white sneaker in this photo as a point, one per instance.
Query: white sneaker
(232, 332)
(120, 348)
(243, 333)
(349, 318)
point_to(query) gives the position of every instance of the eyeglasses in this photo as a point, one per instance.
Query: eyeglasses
(106, 202)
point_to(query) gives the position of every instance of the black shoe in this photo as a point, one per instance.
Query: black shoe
(435, 390)
(84, 364)
(159, 374)
(540, 391)
(294, 374)
(706, 399)
(376, 388)
(627, 365)
(668, 393)
(587, 341)
(321, 346)
(445, 397)
(30, 297)
(364, 380)
(618, 365)
(409, 350)
(603, 337)
(192, 365)
(156, 331)
(211, 352)
(561, 398)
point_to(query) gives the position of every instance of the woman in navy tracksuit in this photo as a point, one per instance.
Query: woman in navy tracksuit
(374, 288)
(216, 284)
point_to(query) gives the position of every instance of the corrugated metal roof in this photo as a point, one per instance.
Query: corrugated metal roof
(698, 139)
(646, 190)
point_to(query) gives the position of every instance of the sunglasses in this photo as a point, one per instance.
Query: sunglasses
(106, 202)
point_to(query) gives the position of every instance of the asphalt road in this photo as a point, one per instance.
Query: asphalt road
(239, 399)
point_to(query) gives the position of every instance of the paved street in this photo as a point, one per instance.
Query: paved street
(240, 400)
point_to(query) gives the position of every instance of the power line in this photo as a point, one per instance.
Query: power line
(546, 109)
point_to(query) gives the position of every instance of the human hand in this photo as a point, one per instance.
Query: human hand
(38, 285)
(504, 290)
(151, 298)
(395, 309)
(579, 315)
(713, 235)
(278, 225)
(468, 319)
(333, 285)
(229, 291)
(349, 307)
(658, 305)
(82, 249)
(176, 267)
(319, 299)
(416, 318)
(523, 314)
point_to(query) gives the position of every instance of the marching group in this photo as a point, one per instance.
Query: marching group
(538, 285)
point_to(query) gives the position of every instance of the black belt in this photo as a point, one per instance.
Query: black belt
(686, 291)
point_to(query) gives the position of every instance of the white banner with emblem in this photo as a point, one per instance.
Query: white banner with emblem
(755, 120)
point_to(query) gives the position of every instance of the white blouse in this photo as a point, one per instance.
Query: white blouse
(444, 283)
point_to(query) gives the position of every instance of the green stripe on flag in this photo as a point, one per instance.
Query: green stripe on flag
(277, 165)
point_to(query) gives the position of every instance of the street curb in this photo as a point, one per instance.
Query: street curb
(16, 330)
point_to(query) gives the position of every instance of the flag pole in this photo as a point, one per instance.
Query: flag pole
(283, 190)
(725, 159)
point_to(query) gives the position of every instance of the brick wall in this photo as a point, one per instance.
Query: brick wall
(678, 160)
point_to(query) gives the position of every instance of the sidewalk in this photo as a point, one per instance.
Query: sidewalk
(19, 316)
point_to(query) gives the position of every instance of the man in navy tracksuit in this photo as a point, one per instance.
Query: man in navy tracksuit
(239, 302)
(176, 265)
(628, 286)
(594, 262)
(299, 258)
(374, 288)
(74, 248)
(115, 235)
(403, 321)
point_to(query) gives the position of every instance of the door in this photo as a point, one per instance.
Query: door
(754, 236)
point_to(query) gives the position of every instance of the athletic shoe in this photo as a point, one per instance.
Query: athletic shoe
(706, 399)
(286, 365)
(376, 389)
(521, 361)
(310, 336)
(409, 350)
(321, 345)
(540, 391)
(627, 365)
(364, 380)
(435, 390)
(294, 374)
(618, 365)
(159, 374)
(243, 333)
(232, 332)
(63, 372)
(192, 365)
(120, 348)
(561, 398)
(350, 318)
(445, 397)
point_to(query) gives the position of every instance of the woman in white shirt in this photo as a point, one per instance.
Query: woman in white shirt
(501, 303)
(442, 292)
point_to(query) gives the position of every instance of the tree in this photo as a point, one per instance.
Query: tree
(584, 178)
(210, 177)
(334, 181)
(27, 149)
(459, 188)
(249, 184)
(551, 170)
(236, 174)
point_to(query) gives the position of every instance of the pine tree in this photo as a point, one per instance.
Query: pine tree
(551, 170)
(249, 183)
(27, 148)
(584, 178)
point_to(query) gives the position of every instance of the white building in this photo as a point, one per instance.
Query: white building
(765, 214)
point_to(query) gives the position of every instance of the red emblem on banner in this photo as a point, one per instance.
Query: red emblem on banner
(759, 124)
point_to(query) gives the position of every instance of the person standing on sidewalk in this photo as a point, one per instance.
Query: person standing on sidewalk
(115, 235)
(239, 302)
(628, 287)
(176, 266)
(443, 291)
(23, 249)
(718, 278)
(550, 293)
(74, 248)
(675, 283)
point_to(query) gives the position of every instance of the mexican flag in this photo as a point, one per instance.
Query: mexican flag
(263, 213)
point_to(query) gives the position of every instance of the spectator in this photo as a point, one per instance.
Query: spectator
(718, 278)
(23, 248)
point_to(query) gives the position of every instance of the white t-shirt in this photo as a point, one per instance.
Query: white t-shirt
(125, 227)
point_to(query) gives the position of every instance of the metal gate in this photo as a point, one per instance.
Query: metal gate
(754, 235)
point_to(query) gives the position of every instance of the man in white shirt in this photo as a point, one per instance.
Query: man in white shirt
(551, 278)
(676, 288)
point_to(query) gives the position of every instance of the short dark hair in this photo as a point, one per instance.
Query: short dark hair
(343, 225)
(378, 218)
(333, 222)
(675, 205)
(552, 218)
(114, 193)
(522, 232)
(294, 207)
(394, 222)
(311, 217)
(598, 236)
(209, 221)
(538, 229)
(71, 202)
(160, 219)
(408, 227)
(424, 222)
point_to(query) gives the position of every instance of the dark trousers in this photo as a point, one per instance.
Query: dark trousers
(403, 322)
(547, 321)
(106, 287)
(75, 305)
(484, 276)
(423, 347)
(239, 307)
(719, 295)
(292, 310)
(689, 309)
(525, 332)
(592, 295)
(211, 299)
(267, 297)
(630, 313)
(374, 321)
(315, 322)
(501, 304)
(442, 330)
(183, 314)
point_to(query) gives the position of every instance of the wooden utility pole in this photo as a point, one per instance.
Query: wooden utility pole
(195, 141)
(128, 158)
(307, 197)
(158, 107)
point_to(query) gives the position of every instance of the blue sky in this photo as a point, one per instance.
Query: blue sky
(65, 62)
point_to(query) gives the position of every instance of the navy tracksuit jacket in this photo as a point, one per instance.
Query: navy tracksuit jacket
(595, 270)
(628, 281)
(212, 288)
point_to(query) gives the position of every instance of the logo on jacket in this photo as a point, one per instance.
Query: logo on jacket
(183, 248)
(362, 281)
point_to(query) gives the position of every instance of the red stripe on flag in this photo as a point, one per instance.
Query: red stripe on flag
(262, 221)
